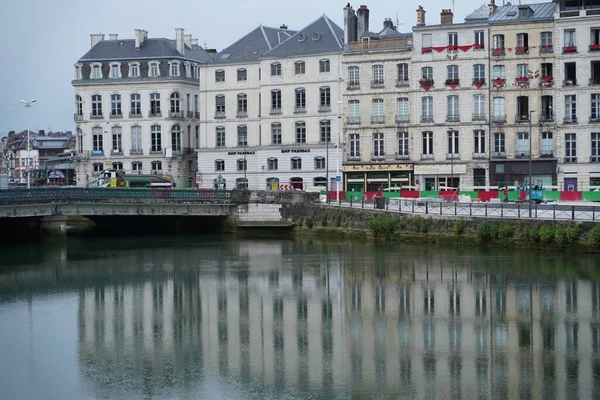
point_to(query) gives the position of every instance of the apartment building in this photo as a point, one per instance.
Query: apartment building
(577, 33)
(522, 93)
(137, 106)
(277, 129)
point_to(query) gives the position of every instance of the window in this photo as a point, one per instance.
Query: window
(300, 100)
(570, 147)
(155, 139)
(77, 72)
(354, 112)
(97, 138)
(300, 132)
(570, 38)
(570, 73)
(498, 111)
(522, 70)
(97, 106)
(427, 73)
(174, 70)
(403, 144)
(479, 40)
(276, 69)
(452, 72)
(325, 97)
(98, 167)
(276, 101)
(324, 65)
(427, 143)
(570, 108)
(220, 136)
(272, 164)
(402, 113)
(154, 104)
(188, 103)
(325, 129)
(156, 167)
(242, 135)
(175, 104)
(453, 113)
(498, 71)
(427, 109)
(96, 71)
(134, 70)
(478, 107)
(299, 68)
(546, 145)
(136, 139)
(426, 43)
(453, 143)
(78, 106)
(402, 78)
(498, 42)
(354, 145)
(595, 151)
(522, 144)
(220, 106)
(319, 162)
(377, 116)
(242, 164)
(176, 139)
(196, 104)
(136, 167)
(154, 71)
(377, 75)
(479, 73)
(452, 39)
(242, 104)
(242, 75)
(220, 75)
(479, 140)
(276, 133)
(546, 41)
(595, 104)
(522, 43)
(135, 105)
(499, 144)
(378, 150)
(353, 77)
(115, 71)
(117, 140)
(296, 163)
(546, 70)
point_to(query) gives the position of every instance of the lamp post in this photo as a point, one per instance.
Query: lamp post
(28, 105)
(245, 161)
(530, 161)
(337, 153)
(327, 168)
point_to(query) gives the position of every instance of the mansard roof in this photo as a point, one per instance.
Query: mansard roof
(535, 12)
(252, 46)
(151, 48)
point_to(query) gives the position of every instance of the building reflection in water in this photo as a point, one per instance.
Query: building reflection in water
(331, 322)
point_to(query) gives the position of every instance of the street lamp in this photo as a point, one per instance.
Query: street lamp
(28, 105)
(530, 151)
(337, 153)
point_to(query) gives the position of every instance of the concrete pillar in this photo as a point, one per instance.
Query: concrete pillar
(54, 226)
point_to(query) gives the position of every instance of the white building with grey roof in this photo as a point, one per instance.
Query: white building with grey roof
(137, 106)
(271, 119)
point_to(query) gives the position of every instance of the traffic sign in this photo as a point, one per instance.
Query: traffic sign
(338, 178)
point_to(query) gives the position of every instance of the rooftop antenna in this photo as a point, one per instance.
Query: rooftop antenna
(452, 6)
(398, 24)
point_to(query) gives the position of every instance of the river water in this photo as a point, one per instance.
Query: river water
(220, 317)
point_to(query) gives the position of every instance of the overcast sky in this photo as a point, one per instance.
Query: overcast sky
(41, 39)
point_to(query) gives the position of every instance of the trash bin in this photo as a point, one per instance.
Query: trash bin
(380, 203)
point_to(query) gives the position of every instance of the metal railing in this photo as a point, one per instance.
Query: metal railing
(437, 206)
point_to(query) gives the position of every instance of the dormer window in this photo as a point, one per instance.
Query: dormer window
(220, 75)
(523, 12)
(77, 71)
(317, 36)
(174, 68)
(154, 70)
(300, 68)
(96, 71)
(134, 70)
(196, 71)
(302, 37)
(115, 70)
(188, 69)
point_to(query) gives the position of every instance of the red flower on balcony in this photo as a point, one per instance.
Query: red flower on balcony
(426, 83)
(426, 50)
(478, 46)
(478, 83)
(594, 47)
(498, 82)
(521, 50)
(546, 81)
(452, 82)
(498, 51)
(522, 81)
(569, 49)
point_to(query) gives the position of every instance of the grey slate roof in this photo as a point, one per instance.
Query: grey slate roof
(151, 48)
(539, 12)
(330, 40)
(252, 46)
(482, 13)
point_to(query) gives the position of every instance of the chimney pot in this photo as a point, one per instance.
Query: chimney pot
(362, 26)
(179, 40)
(446, 17)
(283, 26)
(492, 7)
(113, 36)
(96, 38)
(420, 16)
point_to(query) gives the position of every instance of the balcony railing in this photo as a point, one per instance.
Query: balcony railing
(570, 82)
(479, 156)
(499, 119)
(353, 120)
(478, 117)
(499, 154)
(402, 83)
(452, 118)
(499, 82)
(594, 119)
(521, 50)
(522, 118)
(594, 159)
(546, 153)
(220, 115)
(352, 85)
(196, 114)
(241, 114)
(498, 52)
(595, 81)
(452, 156)
(378, 157)
(355, 157)
(377, 83)
(115, 152)
(275, 111)
(175, 114)
(546, 117)
(402, 119)
(570, 120)
(135, 114)
(155, 114)
(594, 47)
(570, 160)
(116, 115)
(299, 109)
(324, 108)
(377, 119)
(426, 156)
(190, 114)
(522, 154)
(97, 152)
(77, 117)
(427, 118)
(402, 156)
(546, 48)
(97, 115)
(569, 49)
(136, 152)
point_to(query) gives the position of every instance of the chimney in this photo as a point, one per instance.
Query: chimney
(113, 36)
(179, 44)
(362, 27)
(187, 39)
(446, 16)
(349, 24)
(194, 42)
(388, 24)
(283, 26)
(211, 51)
(96, 38)
(139, 34)
(420, 16)
(492, 7)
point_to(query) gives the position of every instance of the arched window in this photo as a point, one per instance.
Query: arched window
(297, 183)
(272, 183)
(175, 105)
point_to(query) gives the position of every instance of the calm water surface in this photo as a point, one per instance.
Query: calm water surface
(211, 317)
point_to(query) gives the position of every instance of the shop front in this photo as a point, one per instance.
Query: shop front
(509, 172)
(439, 177)
(376, 177)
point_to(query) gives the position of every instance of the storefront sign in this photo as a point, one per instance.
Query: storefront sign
(378, 167)
(295, 151)
(445, 169)
(240, 153)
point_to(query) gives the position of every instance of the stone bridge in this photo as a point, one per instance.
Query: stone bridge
(48, 208)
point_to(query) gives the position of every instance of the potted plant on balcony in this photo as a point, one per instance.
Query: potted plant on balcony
(426, 83)
(478, 46)
(452, 82)
(521, 50)
(522, 81)
(498, 51)
(546, 48)
(498, 82)
(546, 81)
(594, 47)
(478, 82)
(569, 49)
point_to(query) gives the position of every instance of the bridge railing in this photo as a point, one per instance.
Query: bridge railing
(83, 194)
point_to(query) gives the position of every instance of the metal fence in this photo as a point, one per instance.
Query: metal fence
(558, 212)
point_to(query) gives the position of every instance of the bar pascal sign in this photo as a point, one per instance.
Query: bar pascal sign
(295, 151)
(378, 167)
